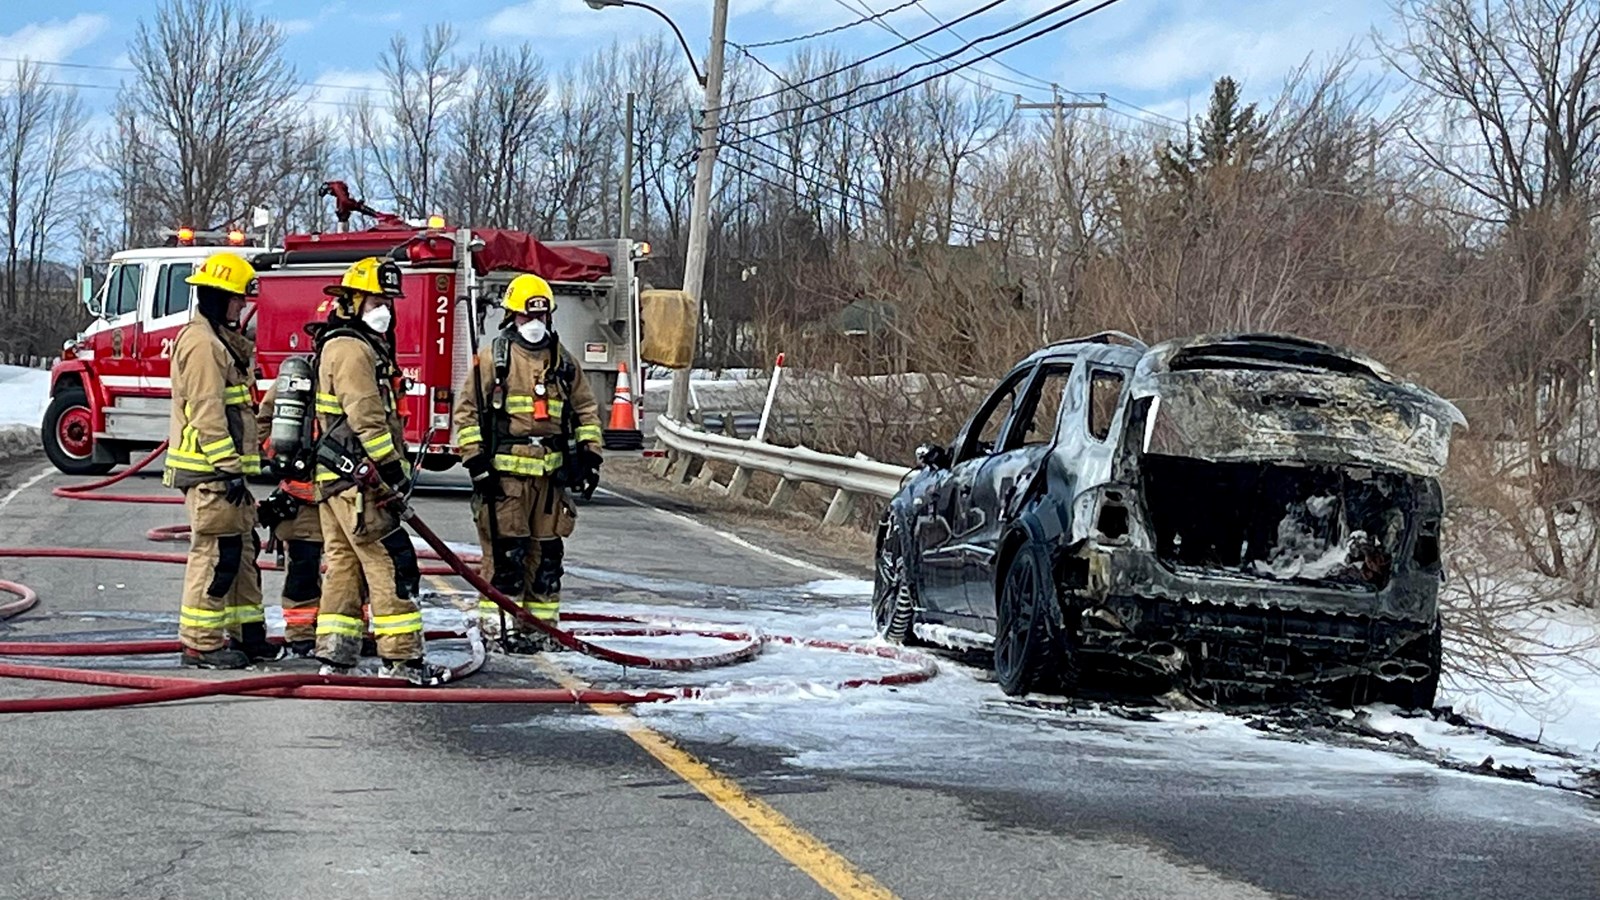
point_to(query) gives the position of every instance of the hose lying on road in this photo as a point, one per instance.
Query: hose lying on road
(148, 689)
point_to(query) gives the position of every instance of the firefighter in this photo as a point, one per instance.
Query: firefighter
(533, 432)
(211, 448)
(296, 527)
(358, 391)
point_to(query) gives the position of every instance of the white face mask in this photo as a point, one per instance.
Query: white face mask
(378, 319)
(533, 331)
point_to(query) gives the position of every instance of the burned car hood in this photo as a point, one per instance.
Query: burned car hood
(1258, 397)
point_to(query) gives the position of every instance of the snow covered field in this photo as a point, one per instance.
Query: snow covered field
(24, 394)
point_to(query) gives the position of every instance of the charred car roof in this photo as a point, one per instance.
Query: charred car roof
(1259, 396)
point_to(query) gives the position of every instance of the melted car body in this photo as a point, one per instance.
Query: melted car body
(1243, 516)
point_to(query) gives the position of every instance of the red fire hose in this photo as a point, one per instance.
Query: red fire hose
(149, 689)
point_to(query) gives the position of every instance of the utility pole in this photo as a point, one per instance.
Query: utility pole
(694, 266)
(1059, 151)
(627, 168)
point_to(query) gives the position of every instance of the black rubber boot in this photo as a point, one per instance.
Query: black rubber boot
(301, 649)
(220, 658)
(416, 671)
(254, 645)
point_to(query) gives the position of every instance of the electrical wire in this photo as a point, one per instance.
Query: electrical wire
(945, 57)
(918, 83)
(851, 4)
(837, 28)
(878, 55)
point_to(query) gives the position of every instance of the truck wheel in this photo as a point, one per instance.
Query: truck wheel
(894, 601)
(68, 434)
(1032, 651)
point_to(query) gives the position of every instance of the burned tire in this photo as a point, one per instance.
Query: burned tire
(1032, 650)
(68, 434)
(894, 601)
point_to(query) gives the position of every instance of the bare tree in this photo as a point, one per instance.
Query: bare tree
(40, 125)
(497, 135)
(406, 136)
(206, 110)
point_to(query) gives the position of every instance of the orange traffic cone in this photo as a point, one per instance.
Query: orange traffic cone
(623, 432)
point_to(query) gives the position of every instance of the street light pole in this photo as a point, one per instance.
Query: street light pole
(694, 265)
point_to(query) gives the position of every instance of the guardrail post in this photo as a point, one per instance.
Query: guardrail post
(707, 477)
(685, 467)
(739, 482)
(782, 495)
(840, 508)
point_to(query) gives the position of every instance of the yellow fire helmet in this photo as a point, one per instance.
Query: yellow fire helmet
(226, 271)
(528, 294)
(369, 276)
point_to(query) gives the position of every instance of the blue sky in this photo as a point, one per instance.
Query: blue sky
(1158, 55)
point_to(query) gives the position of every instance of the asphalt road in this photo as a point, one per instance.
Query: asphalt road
(939, 791)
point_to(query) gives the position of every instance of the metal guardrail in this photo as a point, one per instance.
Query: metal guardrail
(849, 476)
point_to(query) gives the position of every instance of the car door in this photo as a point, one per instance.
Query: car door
(169, 311)
(945, 521)
(1018, 457)
(114, 336)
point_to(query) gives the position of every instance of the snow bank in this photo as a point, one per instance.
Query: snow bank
(24, 393)
(1560, 703)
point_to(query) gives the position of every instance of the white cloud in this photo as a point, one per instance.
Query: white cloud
(1194, 43)
(297, 26)
(567, 18)
(54, 40)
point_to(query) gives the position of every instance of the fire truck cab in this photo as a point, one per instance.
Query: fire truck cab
(111, 392)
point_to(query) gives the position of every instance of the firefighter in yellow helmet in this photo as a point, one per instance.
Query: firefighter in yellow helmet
(533, 435)
(211, 448)
(358, 393)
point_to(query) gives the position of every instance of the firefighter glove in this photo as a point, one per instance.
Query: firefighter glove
(279, 507)
(393, 474)
(485, 482)
(588, 470)
(237, 492)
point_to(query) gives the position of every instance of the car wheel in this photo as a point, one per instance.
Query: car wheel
(68, 434)
(1031, 647)
(894, 602)
(1418, 694)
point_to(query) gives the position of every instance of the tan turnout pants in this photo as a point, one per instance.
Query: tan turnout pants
(221, 584)
(375, 551)
(537, 512)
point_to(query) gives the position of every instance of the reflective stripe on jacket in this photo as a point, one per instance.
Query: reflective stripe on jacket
(210, 434)
(523, 454)
(356, 409)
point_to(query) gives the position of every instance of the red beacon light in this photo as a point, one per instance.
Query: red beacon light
(236, 237)
(185, 237)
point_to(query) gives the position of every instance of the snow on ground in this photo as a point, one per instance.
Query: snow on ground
(926, 730)
(24, 393)
(1560, 706)
(703, 376)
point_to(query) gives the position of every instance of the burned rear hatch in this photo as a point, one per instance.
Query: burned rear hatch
(1268, 463)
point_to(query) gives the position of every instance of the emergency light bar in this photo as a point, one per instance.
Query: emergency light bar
(188, 237)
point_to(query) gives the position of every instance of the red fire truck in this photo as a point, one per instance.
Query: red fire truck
(111, 392)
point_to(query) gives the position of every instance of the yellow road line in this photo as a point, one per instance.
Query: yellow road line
(835, 874)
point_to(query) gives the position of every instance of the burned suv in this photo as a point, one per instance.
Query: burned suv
(1244, 517)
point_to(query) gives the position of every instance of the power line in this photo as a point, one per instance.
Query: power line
(130, 69)
(880, 54)
(835, 29)
(969, 45)
(853, 4)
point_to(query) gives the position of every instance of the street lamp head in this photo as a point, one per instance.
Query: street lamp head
(602, 4)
